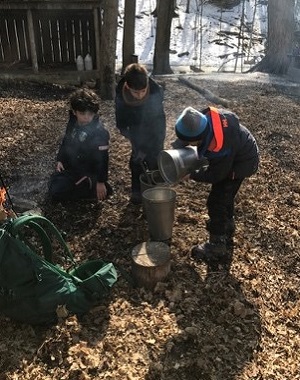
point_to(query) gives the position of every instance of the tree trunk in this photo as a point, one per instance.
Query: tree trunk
(156, 10)
(128, 33)
(161, 63)
(281, 27)
(187, 9)
(108, 49)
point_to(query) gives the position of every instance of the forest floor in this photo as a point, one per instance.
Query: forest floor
(193, 326)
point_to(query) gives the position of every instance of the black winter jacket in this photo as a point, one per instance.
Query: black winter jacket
(84, 149)
(238, 156)
(143, 124)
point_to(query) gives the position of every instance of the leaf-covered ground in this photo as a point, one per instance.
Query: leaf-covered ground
(192, 326)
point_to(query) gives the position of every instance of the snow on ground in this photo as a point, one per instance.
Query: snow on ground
(209, 42)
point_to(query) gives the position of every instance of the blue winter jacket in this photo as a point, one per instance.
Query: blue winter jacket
(145, 123)
(84, 149)
(236, 157)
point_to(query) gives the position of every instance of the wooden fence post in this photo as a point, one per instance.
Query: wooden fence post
(97, 37)
(32, 41)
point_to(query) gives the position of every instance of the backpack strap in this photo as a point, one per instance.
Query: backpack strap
(37, 223)
(44, 238)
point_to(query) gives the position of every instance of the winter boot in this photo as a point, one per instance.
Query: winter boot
(229, 231)
(136, 198)
(213, 254)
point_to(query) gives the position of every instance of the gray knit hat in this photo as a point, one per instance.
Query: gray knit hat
(190, 125)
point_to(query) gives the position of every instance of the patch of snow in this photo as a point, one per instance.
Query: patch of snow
(209, 43)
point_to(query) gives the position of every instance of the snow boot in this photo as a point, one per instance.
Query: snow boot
(136, 198)
(213, 253)
(229, 231)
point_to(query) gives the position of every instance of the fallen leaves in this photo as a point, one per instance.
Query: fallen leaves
(244, 326)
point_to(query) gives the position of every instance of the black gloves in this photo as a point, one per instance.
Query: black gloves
(178, 144)
(139, 157)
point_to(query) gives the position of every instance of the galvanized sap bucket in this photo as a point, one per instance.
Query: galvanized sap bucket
(151, 179)
(174, 164)
(159, 206)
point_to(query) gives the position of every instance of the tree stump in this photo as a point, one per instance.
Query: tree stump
(150, 263)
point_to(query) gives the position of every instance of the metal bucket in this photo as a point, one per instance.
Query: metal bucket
(151, 179)
(159, 206)
(174, 164)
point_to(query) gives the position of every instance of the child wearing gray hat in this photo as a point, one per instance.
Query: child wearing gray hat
(232, 155)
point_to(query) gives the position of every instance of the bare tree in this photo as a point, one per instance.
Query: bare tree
(109, 24)
(161, 62)
(187, 9)
(281, 25)
(198, 34)
(156, 10)
(128, 32)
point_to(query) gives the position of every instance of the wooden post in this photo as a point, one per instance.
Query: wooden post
(97, 37)
(150, 263)
(32, 42)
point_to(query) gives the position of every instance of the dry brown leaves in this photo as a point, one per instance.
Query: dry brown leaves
(242, 326)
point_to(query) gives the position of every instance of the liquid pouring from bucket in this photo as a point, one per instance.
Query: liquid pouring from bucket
(174, 164)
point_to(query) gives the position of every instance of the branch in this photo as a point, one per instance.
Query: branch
(206, 93)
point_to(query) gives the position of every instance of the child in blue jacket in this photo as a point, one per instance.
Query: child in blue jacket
(82, 160)
(232, 155)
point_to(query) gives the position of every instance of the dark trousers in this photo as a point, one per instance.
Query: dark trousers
(220, 205)
(67, 186)
(136, 170)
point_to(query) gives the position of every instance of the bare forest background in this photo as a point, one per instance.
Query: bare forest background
(52, 35)
(279, 39)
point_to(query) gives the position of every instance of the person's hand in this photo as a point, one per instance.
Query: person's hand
(101, 191)
(186, 177)
(139, 157)
(60, 166)
(126, 133)
(178, 144)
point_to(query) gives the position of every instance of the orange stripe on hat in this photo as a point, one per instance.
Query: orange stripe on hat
(217, 128)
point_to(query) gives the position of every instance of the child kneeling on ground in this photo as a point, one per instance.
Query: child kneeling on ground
(82, 160)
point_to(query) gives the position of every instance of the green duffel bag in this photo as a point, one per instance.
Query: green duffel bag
(32, 287)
